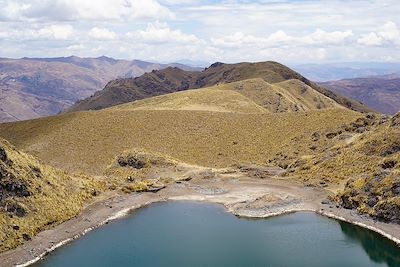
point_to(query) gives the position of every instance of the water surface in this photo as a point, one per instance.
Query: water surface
(196, 234)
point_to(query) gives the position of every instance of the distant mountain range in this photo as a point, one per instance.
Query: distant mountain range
(338, 71)
(37, 87)
(381, 93)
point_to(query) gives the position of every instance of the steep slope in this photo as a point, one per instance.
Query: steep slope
(381, 93)
(361, 165)
(32, 88)
(34, 197)
(377, 191)
(173, 80)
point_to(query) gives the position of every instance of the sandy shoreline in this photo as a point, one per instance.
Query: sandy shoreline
(256, 199)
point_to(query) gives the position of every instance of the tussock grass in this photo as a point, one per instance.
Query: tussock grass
(54, 196)
(206, 99)
(363, 170)
(88, 141)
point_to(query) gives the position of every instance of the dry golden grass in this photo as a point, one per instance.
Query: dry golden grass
(247, 96)
(207, 99)
(288, 96)
(55, 196)
(88, 141)
(362, 169)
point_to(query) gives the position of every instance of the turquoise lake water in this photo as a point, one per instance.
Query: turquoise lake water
(194, 234)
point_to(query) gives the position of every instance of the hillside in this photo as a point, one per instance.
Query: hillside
(173, 79)
(34, 196)
(89, 141)
(32, 88)
(247, 96)
(381, 93)
(362, 168)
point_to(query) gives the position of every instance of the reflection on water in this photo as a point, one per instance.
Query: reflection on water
(175, 234)
(380, 250)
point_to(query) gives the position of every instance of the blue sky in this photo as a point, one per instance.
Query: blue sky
(230, 31)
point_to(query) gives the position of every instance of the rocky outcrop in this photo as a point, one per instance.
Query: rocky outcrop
(376, 188)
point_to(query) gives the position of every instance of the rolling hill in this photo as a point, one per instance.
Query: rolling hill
(381, 93)
(171, 80)
(37, 87)
(247, 96)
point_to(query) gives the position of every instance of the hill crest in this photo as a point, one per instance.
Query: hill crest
(172, 79)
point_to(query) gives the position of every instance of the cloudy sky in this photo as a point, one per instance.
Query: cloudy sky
(289, 31)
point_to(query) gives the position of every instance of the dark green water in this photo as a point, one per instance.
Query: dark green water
(192, 234)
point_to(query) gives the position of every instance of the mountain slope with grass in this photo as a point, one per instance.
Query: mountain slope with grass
(173, 79)
(34, 197)
(88, 141)
(361, 166)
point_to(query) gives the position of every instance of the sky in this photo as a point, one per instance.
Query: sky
(288, 31)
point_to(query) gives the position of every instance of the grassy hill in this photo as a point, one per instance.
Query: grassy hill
(247, 96)
(34, 196)
(172, 80)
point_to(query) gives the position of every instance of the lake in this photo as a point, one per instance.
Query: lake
(198, 234)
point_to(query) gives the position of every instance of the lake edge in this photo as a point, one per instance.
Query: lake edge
(102, 212)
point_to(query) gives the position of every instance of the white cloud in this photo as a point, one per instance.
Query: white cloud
(76, 47)
(57, 10)
(321, 37)
(56, 32)
(237, 39)
(279, 38)
(160, 33)
(148, 9)
(102, 34)
(371, 39)
(179, 2)
(389, 33)
(12, 10)
(52, 32)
